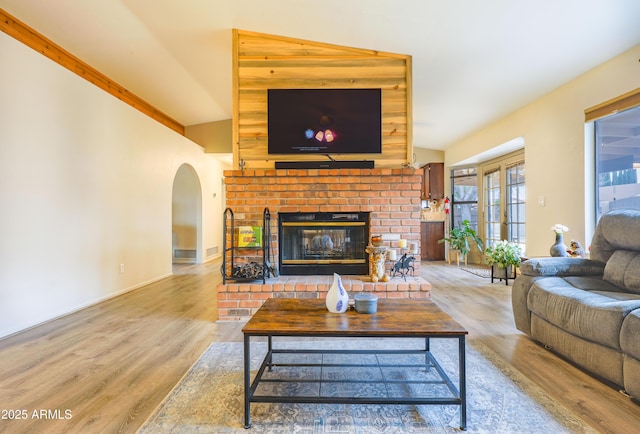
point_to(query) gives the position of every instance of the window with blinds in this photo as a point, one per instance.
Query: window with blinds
(617, 152)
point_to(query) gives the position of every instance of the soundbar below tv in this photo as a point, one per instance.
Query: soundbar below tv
(324, 121)
(335, 164)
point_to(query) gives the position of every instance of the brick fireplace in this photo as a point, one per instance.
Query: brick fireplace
(391, 197)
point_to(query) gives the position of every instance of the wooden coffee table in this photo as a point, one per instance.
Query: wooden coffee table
(395, 318)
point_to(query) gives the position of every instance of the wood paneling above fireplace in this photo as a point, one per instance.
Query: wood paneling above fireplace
(266, 61)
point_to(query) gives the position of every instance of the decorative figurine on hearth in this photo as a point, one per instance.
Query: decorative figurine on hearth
(404, 266)
(378, 273)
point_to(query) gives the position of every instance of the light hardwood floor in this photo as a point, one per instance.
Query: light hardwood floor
(110, 365)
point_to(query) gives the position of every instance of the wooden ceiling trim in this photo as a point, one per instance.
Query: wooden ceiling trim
(31, 38)
(613, 106)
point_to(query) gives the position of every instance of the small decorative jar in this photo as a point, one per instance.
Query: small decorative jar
(366, 303)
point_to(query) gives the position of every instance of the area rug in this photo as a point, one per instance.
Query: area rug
(478, 271)
(209, 399)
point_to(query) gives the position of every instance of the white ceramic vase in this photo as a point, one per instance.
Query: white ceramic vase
(337, 298)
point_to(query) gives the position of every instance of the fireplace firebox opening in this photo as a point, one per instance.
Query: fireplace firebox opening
(323, 243)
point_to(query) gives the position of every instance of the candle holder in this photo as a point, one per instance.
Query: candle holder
(392, 255)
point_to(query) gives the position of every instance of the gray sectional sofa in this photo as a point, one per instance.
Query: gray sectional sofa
(588, 310)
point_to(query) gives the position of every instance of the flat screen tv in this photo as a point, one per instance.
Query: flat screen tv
(325, 121)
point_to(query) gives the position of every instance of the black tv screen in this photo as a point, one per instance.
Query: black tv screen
(325, 121)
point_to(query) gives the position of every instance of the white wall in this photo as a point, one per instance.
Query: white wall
(85, 185)
(555, 152)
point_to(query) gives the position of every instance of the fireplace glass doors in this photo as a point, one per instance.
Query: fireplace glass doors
(323, 243)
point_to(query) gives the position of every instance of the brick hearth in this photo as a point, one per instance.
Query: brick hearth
(238, 301)
(391, 196)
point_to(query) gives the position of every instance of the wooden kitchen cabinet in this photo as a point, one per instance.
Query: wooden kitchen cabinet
(430, 233)
(432, 181)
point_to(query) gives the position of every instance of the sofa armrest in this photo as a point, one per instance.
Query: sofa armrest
(562, 267)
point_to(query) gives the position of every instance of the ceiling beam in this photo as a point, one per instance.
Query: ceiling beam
(28, 36)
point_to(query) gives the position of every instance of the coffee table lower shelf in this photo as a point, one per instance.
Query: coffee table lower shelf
(342, 376)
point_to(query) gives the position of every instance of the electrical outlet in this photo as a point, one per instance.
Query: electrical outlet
(121, 268)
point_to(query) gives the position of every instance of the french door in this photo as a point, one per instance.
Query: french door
(504, 196)
(516, 196)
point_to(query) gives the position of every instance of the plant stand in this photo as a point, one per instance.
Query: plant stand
(458, 254)
(503, 273)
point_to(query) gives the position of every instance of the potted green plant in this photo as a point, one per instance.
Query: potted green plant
(503, 257)
(460, 239)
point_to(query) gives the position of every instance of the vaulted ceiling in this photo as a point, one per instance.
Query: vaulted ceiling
(473, 61)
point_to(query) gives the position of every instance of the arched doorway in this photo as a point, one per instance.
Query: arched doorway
(186, 209)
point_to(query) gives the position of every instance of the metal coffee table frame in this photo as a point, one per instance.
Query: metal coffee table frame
(458, 397)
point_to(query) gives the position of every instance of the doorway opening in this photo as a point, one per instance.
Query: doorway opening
(186, 210)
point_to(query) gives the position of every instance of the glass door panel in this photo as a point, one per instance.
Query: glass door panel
(515, 213)
(464, 186)
(492, 207)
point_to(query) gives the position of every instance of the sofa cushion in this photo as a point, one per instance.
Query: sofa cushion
(617, 230)
(630, 335)
(600, 359)
(595, 315)
(623, 270)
